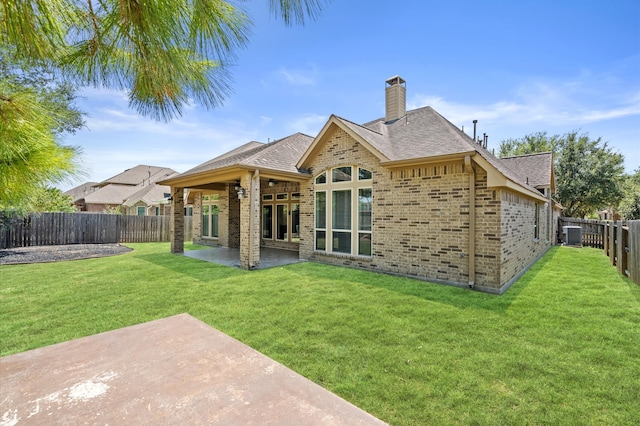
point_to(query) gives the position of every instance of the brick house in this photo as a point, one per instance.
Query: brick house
(407, 194)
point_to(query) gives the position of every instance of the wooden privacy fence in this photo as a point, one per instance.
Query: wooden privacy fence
(44, 229)
(619, 240)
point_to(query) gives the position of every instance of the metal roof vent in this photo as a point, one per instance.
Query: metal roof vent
(395, 98)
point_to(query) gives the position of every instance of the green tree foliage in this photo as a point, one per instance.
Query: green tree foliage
(164, 52)
(630, 204)
(589, 175)
(52, 200)
(35, 112)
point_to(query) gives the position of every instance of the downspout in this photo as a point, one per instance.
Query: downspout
(468, 165)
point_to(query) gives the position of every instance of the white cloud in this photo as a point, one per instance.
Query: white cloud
(568, 103)
(297, 77)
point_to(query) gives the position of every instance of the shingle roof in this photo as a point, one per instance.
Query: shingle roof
(280, 155)
(81, 191)
(148, 194)
(139, 174)
(421, 133)
(111, 194)
(533, 168)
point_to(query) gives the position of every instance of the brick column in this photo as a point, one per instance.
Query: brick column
(250, 221)
(176, 224)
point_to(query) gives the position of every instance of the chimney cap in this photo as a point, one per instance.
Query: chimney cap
(396, 79)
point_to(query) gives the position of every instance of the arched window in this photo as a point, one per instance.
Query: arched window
(343, 209)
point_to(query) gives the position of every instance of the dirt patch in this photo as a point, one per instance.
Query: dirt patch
(43, 254)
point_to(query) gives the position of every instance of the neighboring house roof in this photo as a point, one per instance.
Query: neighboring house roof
(149, 195)
(81, 191)
(111, 194)
(140, 174)
(536, 169)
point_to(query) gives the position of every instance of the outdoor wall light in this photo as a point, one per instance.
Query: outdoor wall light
(272, 183)
(240, 192)
(237, 187)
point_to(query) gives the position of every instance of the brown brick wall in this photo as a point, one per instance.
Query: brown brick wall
(420, 218)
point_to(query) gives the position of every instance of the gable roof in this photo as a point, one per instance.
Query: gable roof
(422, 135)
(148, 194)
(81, 191)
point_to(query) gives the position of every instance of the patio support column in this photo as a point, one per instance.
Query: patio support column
(176, 222)
(250, 221)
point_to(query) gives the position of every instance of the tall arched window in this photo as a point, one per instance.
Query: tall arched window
(343, 209)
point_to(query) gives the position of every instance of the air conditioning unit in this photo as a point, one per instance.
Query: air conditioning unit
(572, 235)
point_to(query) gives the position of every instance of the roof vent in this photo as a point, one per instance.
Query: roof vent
(395, 98)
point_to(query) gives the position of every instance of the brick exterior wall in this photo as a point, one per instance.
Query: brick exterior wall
(421, 221)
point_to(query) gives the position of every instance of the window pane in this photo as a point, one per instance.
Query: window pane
(341, 174)
(140, 211)
(364, 174)
(364, 209)
(341, 209)
(321, 240)
(214, 220)
(267, 197)
(295, 195)
(364, 244)
(295, 222)
(282, 196)
(281, 222)
(267, 222)
(342, 242)
(321, 209)
(205, 221)
(322, 178)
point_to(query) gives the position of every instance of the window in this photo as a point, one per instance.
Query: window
(281, 217)
(140, 211)
(267, 221)
(536, 223)
(210, 212)
(343, 211)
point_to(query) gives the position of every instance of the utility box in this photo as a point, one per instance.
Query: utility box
(572, 235)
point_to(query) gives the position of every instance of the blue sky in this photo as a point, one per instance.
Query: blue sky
(516, 67)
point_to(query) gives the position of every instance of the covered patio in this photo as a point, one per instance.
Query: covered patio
(230, 256)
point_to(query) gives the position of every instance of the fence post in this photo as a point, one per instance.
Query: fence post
(612, 243)
(619, 248)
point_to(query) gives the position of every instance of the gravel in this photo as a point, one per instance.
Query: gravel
(43, 254)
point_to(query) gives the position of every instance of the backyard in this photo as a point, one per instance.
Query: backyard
(562, 346)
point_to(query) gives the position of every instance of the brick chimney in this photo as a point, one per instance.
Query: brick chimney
(395, 98)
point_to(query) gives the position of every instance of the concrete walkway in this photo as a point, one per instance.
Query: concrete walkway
(269, 257)
(173, 371)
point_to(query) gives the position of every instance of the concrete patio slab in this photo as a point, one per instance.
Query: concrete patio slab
(269, 257)
(176, 370)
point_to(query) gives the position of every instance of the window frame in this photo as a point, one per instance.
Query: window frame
(360, 238)
(211, 201)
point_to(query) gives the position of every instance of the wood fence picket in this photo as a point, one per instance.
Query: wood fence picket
(44, 229)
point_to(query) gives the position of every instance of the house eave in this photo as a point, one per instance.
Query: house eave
(413, 162)
(230, 173)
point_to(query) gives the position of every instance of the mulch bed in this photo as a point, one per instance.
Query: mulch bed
(43, 254)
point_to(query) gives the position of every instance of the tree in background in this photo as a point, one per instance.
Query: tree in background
(589, 175)
(53, 200)
(630, 205)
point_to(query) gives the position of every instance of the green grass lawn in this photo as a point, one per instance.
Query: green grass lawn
(561, 347)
